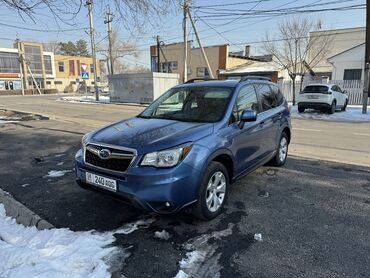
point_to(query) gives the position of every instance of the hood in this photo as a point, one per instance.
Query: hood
(148, 135)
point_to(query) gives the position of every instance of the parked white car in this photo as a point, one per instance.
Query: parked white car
(329, 97)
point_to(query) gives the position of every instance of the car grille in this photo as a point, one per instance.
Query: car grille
(119, 160)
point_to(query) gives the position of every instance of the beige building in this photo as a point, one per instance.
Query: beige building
(27, 65)
(172, 59)
(68, 71)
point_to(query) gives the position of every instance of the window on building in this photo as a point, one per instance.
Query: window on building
(58, 82)
(47, 64)
(33, 58)
(9, 62)
(352, 74)
(202, 72)
(61, 66)
(92, 68)
(169, 67)
(71, 67)
(48, 82)
(78, 67)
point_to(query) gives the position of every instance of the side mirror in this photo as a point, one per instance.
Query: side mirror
(345, 92)
(248, 116)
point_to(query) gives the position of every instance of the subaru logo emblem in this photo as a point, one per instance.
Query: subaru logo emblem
(104, 153)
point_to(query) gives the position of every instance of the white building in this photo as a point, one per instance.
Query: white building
(340, 41)
(349, 64)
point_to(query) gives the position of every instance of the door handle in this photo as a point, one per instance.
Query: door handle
(262, 123)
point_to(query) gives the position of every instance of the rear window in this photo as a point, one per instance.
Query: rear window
(316, 89)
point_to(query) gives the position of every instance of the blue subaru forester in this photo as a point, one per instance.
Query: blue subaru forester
(186, 148)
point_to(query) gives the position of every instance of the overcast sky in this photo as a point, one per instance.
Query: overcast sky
(214, 29)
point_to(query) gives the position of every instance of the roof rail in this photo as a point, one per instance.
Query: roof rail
(250, 77)
(199, 79)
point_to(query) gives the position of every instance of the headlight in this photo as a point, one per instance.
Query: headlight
(167, 158)
(85, 139)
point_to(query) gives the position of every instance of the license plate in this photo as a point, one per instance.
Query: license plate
(101, 181)
(313, 97)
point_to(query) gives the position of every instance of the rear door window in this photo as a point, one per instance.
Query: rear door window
(267, 97)
(278, 95)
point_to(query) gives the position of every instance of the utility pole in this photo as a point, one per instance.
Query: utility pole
(201, 46)
(367, 60)
(89, 4)
(21, 61)
(184, 26)
(110, 38)
(158, 54)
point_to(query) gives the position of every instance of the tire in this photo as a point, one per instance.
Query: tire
(211, 210)
(301, 109)
(345, 106)
(282, 151)
(332, 108)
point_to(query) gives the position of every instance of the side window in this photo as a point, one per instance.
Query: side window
(268, 100)
(278, 95)
(247, 99)
(339, 89)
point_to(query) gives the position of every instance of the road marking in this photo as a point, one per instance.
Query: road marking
(307, 129)
(361, 134)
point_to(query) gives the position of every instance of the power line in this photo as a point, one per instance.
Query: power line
(42, 30)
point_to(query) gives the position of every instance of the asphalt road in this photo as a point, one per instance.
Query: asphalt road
(314, 221)
(333, 141)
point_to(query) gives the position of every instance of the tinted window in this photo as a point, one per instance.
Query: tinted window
(268, 100)
(247, 99)
(278, 95)
(315, 89)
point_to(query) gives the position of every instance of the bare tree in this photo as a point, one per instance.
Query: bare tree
(295, 51)
(120, 49)
(133, 14)
(52, 46)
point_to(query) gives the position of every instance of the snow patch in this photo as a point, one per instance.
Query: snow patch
(202, 259)
(88, 99)
(352, 114)
(25, 185)
(7, 122)
(258, 237)
(60, 163)
(57, 173)
(164, 235)
(131, 227)
(28, 252)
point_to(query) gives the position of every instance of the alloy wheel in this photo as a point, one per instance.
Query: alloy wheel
(283, 149)
(215, 193)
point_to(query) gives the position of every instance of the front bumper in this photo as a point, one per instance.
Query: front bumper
(148, 187)
(314, 105)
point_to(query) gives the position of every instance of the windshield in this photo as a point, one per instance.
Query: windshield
(196, 104)
(315, 89)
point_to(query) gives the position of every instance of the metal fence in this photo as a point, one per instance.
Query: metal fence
(354, 89)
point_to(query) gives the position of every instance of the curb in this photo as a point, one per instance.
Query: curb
(21, 213)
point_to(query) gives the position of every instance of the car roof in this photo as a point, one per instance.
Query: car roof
(229, 83)
(326, 85)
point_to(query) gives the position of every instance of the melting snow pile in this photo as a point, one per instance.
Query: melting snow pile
(164, 235)
(86, 99)
(57, 173)
(28, 252)
(352, 114)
